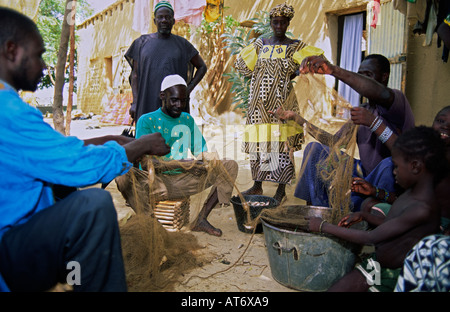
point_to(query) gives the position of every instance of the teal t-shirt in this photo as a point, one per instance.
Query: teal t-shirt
(181, 134)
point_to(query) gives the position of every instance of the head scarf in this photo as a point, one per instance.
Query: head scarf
(163, 4)
(172, 80)
(284, 9)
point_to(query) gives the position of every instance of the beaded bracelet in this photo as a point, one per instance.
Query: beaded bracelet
(373, 122)
(387, 133)
(386, 196)
(377, 125)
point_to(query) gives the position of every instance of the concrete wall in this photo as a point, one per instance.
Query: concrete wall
(102, 42)
(427, 80)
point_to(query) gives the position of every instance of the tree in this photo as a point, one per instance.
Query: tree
(58, 115)
(52, 19)
(49, 21)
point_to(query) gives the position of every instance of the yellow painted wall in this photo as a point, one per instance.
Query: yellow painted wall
(315, 22)
(101, 39)
(428, 79)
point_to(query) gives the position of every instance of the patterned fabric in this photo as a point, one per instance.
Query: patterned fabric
(271, 87)
(272, 167)
(427, 266)
(283, 10)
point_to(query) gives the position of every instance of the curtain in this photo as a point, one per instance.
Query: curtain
(351, 54)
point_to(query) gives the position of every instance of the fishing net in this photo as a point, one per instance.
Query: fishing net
(156, 258)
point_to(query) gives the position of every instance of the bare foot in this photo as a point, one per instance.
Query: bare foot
(254, 190)
(280, 197)
(205, 226)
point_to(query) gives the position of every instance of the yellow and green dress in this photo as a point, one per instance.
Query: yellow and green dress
(268, 141)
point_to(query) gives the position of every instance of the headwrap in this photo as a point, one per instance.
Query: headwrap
(284, 9)
(163, 4)
(172, 80)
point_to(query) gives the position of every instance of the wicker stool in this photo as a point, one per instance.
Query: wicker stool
(172, 214)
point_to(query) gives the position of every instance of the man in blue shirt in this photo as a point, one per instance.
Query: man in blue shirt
(40, 238)
(178, 177)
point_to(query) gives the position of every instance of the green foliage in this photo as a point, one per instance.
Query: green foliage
(240, 86)
(236, 39)
(262, 24)
(207, 27)
(49, 22)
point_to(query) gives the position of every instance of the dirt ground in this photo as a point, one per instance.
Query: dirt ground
(247, 269)
(238, 260)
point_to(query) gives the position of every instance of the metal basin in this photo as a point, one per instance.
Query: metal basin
(307, 261)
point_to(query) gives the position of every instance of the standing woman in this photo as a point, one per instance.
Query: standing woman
(272, 63)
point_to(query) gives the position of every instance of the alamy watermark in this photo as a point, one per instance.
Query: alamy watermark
(74, 276)
(226, 142)
(372, 273)
(71, 15)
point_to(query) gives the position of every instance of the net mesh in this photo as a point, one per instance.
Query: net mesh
(155, 258)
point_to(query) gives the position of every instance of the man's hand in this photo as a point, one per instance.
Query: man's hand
(284, 115)
(361, 186)
(361, 116)
(316, 64)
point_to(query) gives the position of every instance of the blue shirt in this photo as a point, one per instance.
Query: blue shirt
(33, 157)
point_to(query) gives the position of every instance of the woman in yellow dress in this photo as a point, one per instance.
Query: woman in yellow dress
(272, 63)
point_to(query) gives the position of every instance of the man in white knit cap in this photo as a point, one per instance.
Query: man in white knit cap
(176, 176)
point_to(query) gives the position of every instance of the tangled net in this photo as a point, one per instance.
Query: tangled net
(155, 258)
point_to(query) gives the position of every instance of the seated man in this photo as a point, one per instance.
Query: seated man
(176, 177)
(39, 235)
(386, 112)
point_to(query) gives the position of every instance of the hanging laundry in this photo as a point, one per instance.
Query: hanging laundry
(431, 23)
(189, 11)
(414, 10)
(374, 10)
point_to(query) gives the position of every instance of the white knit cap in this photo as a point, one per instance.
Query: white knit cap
(172, 80)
